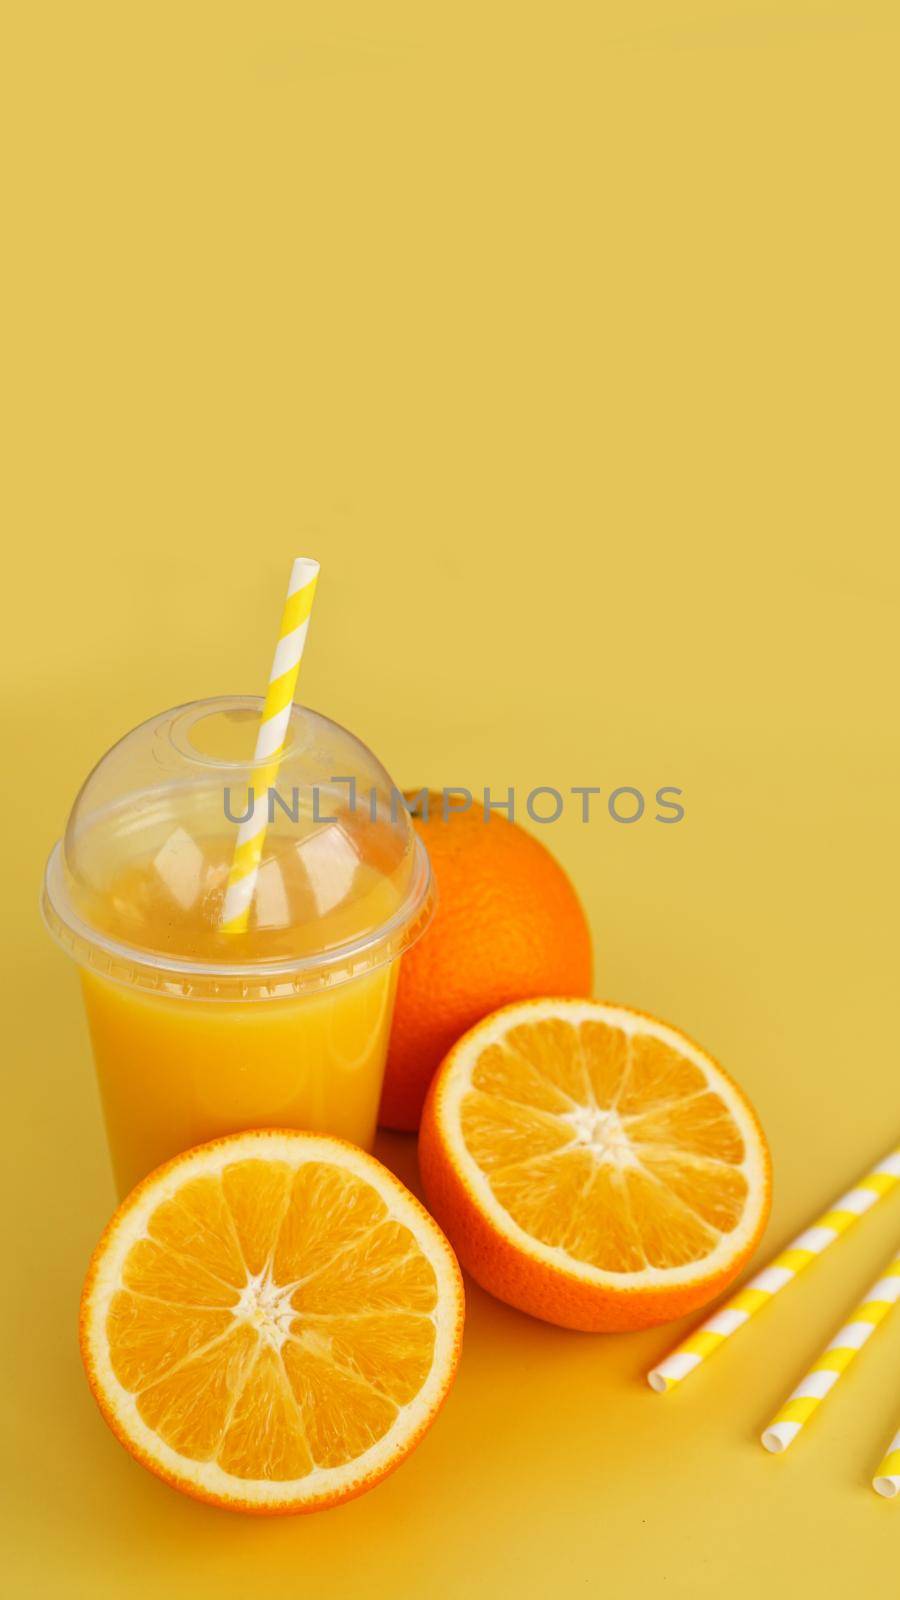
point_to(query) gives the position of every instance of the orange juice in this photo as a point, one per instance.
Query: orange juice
(174, 1071)
(196, 1031)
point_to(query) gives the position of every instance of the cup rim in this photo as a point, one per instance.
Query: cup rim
(156, 972)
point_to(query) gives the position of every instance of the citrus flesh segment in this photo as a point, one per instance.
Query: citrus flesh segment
(593, 1165)
(271, 1321)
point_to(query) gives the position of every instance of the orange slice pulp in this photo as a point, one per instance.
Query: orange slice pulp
(593, 1166)
(271, 1322)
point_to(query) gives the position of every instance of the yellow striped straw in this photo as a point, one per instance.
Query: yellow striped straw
(788, 1265)
(887, 1479)
(273, 726)
(834, 1361)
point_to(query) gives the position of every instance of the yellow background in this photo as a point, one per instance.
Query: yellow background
(566, 336)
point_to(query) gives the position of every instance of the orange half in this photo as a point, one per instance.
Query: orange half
(593, 1166)
(271, 1322)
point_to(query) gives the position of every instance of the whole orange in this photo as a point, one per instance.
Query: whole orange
(508, 926)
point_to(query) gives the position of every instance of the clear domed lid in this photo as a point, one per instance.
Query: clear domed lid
(136, 886)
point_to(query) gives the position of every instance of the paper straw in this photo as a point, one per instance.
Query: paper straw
(887, 1479)
(803, 1250)
(273, 726)
(834, 1361)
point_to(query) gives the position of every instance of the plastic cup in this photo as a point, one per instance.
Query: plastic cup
(197, 1032)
